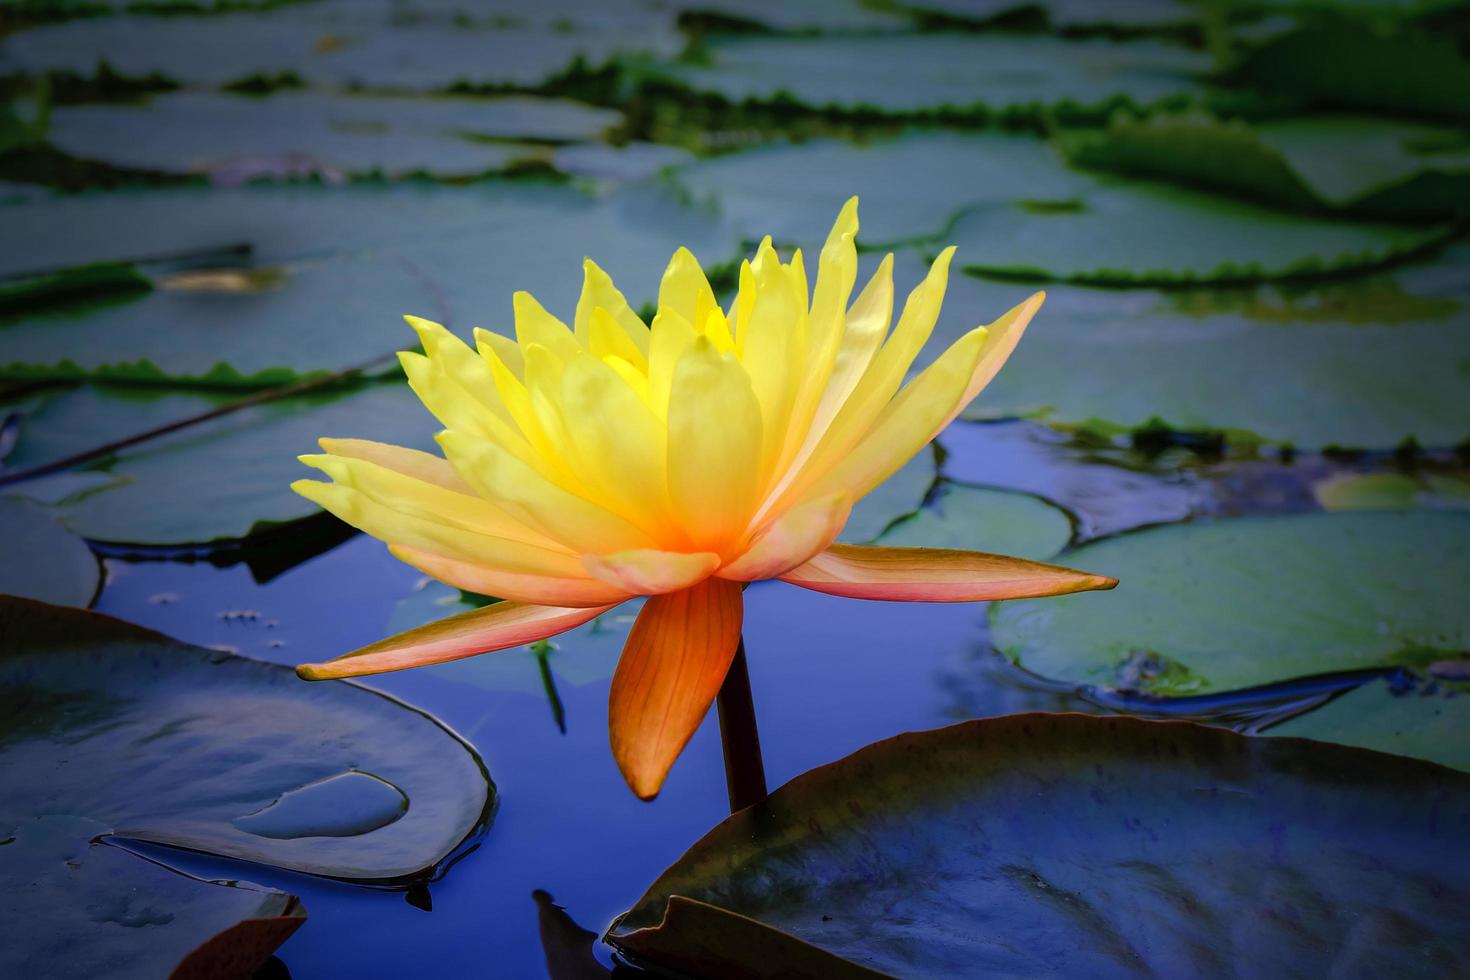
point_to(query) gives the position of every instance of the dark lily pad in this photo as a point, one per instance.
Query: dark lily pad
(1141, 234)
(791, 192)
(1215, 607)
(343, 45)
(977, 519)
(47, 562)
(1350, 163)
(1423, 721)
(1068, 14)
(1360, 365)
(220, 480)
(1042, 845)
(235, 137)
(912, 74)
(73, 905)
(349, 261)
(165, 743)
(800, 15)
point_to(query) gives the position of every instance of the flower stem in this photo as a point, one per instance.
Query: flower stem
(745, 773)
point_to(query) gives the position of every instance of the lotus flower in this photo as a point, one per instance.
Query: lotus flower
(583, 467)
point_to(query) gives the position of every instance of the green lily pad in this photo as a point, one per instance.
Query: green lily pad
(336, 45)
(74, 906)
(976, 519)
(233, 136)
(973, 74)
(1357, 164)
(223, 479)
(1359, 365)
(1064, 845)
(1068, 14)
(47, 561)
(170, 744)
(1219, 607)
(1140, 234)
(896, 498)
(799, 15)
(1344, 64)
(1426, 724)
(399, 249)
(1393, 491)
(792, 192)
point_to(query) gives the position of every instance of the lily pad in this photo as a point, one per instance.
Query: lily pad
(47, 561)
(1064, 845)
(1141, 234)
(1423, 722)
(976, 519)
(799, 15)
(226, 478)
(1393, 491)
(170, 744)
(73, 905)
(1219, 607)
(337, 45)
(1342, 64)
(234, 136)
(1068, 14)
(915, 74)
(348, 261)
(896, 498)
(791, 191)
(1358, 365)
(1351, 163)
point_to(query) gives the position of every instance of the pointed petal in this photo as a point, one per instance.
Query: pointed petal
(507, 351)
(410, 462)
(495, 627)
(936, 575)
(535, 326)
(1003, 336)
(672, 667)
(598, 292)
(541, 590)
(714, 432)
(645, 571)
(685, 290)
(791, 540)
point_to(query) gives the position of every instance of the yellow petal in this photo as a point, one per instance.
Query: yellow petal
(936, 575)
(428, 501)
(714, 435)
(455, 408)
(649, 572)
(396, 527)
(684, 288)
(772, 352)
(454, 357)
(598, 292)
(535, 326)
(517, 586)
(507, 351)
(606, 338)
(672, 336)
(495, 627)
(410, 462)
(1005, 334)
(580, 524)
(673, 664)
(791, 540)
(866, 326)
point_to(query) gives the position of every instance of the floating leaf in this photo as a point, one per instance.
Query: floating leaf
(1393, 491)
(1357, 164)
(72, 905)
(46, 561)
(1068, 14)
(1346, 65)
(1359, 365)
(338, 45)
(973, 74)
(1423, 722)
(1039, 845)
(790, 191)
(1140, 234)
(223, 479)
(798, 15)
(975, 519)
(170, 744)
(233, 137)
(892, 500)
(1235, 604)
(449, 253)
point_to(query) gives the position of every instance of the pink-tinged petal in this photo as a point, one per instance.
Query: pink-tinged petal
(936, 575)
(646, 571)
(672, 667)
(541, 590)
(791, 540)
(495, 627)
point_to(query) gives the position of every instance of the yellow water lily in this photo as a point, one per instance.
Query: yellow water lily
(585, 466)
